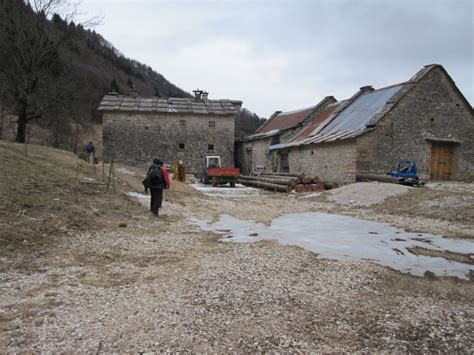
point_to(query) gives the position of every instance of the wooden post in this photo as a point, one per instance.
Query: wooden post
(113, 175)
(77, 182)
(110, 175)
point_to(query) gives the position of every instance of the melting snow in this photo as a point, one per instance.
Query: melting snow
(126, 171)
(142, 198)
(238, 191)
(341, 237)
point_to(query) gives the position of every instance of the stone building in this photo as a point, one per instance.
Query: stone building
(138, 129)
(426, 119)
(252, 152)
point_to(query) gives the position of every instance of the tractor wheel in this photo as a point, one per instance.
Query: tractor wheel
(232, 184)
(214, 182)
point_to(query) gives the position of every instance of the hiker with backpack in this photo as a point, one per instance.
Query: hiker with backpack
(90, 150)
(157, 179)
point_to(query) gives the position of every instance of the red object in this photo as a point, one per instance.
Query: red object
(167, 176)
(223, 172)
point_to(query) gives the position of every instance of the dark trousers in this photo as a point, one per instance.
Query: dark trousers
(156, 199)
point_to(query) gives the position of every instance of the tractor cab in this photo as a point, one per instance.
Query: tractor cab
(213, 161)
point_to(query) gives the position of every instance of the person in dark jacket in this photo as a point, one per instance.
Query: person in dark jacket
(156, 180)
(90, 150)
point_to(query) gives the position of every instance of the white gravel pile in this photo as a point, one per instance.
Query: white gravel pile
(366, 193)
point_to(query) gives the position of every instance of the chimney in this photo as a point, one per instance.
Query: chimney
(134, 92)
(197, 94)
(204, 95)
(366, 88)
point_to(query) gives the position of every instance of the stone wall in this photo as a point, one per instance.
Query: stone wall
(332, 162)
(254, 153)
(432, 111)
(139, 137)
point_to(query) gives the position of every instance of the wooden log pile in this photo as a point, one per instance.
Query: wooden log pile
(285, 182)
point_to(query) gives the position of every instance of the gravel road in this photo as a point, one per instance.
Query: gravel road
(164, 285)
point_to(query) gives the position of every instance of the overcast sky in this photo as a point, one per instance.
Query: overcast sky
(287, 55)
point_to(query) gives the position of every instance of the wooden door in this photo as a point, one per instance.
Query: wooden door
(441, 165)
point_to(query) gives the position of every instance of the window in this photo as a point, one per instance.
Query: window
(210, 147)
(182, 122)
(181, 146)
(212, 124)
(276, 139)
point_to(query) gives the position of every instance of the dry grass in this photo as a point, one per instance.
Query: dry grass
(38, 194)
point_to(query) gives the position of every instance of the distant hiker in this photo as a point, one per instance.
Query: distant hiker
(90, 150)
(157, 178)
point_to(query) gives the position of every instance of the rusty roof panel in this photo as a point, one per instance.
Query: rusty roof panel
(310, 127)
(286, 120)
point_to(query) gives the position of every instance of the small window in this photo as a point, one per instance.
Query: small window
(182, 122)
(181, 146)
(212, 124)
(210, 147)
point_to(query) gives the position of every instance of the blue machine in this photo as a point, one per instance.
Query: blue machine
(407, 173)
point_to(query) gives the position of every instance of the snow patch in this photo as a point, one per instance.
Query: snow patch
(126, 171)
(142, 198)
(238, 191)
(341, 237)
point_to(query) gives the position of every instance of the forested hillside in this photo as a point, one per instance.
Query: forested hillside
(54, 72)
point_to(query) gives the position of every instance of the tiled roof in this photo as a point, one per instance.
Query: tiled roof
(281, 121)
(114, 102)
(286, 120)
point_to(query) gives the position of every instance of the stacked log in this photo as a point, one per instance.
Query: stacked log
(281, 184)
(285, 182)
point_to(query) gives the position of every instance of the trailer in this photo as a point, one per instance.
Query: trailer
(213, 173)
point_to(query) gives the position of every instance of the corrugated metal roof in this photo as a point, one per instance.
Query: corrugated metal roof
(306, 132)
(361, 110)
(114, 102)
(345, 119)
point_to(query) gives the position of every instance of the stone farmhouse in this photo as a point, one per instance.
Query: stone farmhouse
(137, 129)
(426, 119)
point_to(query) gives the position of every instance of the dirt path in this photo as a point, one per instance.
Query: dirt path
(162, 284)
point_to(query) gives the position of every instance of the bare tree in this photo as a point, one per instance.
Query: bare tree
(30, 64)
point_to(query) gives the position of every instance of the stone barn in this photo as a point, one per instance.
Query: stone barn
(137, 129)
(426, 119)
(252, 151)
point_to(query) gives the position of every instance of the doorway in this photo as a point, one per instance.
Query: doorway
(442, 161)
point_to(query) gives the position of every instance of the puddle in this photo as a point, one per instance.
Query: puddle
(226, 191)
(341, 237)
